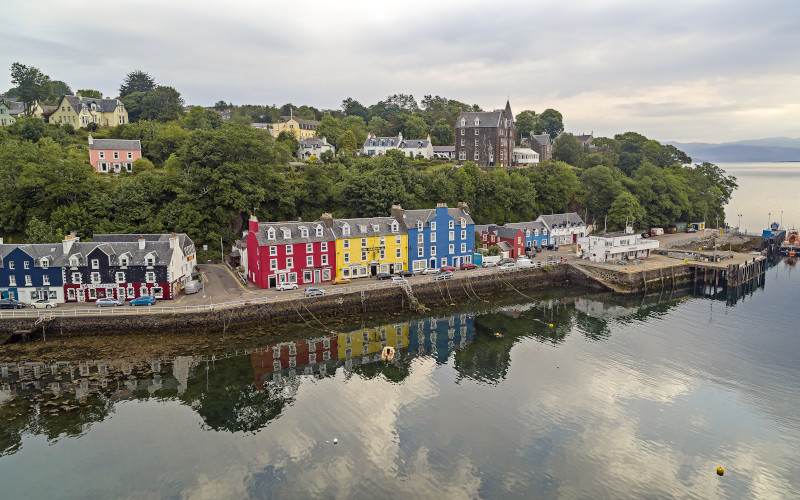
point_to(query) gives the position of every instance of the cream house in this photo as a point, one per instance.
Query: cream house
(81, 111)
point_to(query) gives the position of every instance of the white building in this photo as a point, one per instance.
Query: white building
(413, 147)
(565, 229)
(307, 148)
(526, 157)
(377, 146)
(613, 247)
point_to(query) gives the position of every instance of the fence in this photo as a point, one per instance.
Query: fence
(262, 299)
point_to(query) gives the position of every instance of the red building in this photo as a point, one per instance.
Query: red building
(113, 155)
(509, 239)
(290, 252)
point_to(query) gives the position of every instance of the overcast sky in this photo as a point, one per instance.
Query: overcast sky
(699, 70)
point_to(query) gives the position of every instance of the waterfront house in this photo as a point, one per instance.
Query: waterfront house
(378, 146)
(81, 111)
(613, 247)
(307, 148)
(511, 240)
(31, 272)
(536, 234)
(486, 138)
(413, 148)
(565, 229)
(368, 246)
(107, 155)
(438, 236)
(290, 252)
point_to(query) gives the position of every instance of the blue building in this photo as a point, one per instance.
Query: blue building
(31, 272)
(438, 236)
(536, 233)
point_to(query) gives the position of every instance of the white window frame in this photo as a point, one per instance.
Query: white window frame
(309, 260)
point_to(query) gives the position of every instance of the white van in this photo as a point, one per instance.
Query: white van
(523, 262)
(192, 287)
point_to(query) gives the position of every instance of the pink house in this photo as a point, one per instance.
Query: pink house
(116, 155)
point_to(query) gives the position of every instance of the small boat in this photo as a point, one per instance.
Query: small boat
(791, 246)
(387, 354)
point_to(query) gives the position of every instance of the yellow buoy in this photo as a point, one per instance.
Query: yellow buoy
(550, 325)
(720, 471)
(387, 354)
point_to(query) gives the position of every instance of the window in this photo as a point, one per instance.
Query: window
(309, 247)
(462, 155)
(346, 230)
(347, 257)
(395, 227)
(463, 235)
(420, 238)
(289, 262)
(363, 242)
(273, 250)
(150, 277)
(92, 293)
(310, 260)
(477, 123)
(116, 155)
(45, 280)
(287, 234)
(130, 155)
(271, 234)
(477, 156)
(433, 225)
(476, 143)
(273, 264)
(304, 232)
(463, 122)
(346, 244)
(419, 225)
(433, 251)
(452, 235)
(119, 277)
(382, 241)
(462, 131)
(307, 277)
(420, 251)
(102, 155)
(325, 260)
(95, 264)
(76, 278)
(463, 247)
(383, 254)
(130, 292)
(363, 256)
(451, 249)
(12, 280)
(433, 237)
(149, 261)
(95, 277)
(26, 264)
(451, 224)
(324, 246)
(462, 142)
(319, 231)
(28, 281)
(398, 253)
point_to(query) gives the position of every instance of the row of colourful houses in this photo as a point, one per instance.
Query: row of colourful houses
(318, 252)
(121, 266)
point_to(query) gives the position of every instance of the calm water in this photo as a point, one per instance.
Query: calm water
(764, 188)
(620, 398)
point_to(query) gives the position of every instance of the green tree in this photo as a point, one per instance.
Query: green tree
(137, 81)
(162, 104)
(599, 189)
(142, 165)
(568, 148)
(330, 127)
(415, 128)
(351, 107)
(39, 231)
(349, 141)
(32, 85)
(442, 133)
(556, 184)
(380, 127)
(96, 94)
(550, 122)
(358, 126)
(201, 118)
(625, 208)
(526, 123)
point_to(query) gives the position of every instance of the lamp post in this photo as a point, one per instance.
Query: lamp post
(781, 220)
(769, 218)
(739, 227)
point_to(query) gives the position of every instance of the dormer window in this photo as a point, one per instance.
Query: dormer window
(319, 231)
(463, 222)
(124, 262)
(376, 228)
(271, 233)
(346, 230)
(419, 225)
(45, 263)
(395, 227)
(362, 228)
(463, 122)
(286, 233)
(150, 261)
(304, 232)
(73, 262)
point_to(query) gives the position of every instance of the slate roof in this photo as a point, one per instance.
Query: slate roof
(395, 141)
(103, 105)
(365, 227)
(532, 226)
(301, 121)
(125, 144)
(543, 138)
(444, 149)
(414, 144)
(294, 233)
(561, 220)
(16, 108)
(489, 119)
(314, 142)
(410, 217)
(504, 231)
(504, 246)
(184, 241)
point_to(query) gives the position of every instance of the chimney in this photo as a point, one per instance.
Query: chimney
(91, 141)
(252, 224)
(397, 213)
(141, 242)
(173, 239)
(327, 219)
(441, 205)
(463, 206)
(400, 136)
(68, 241)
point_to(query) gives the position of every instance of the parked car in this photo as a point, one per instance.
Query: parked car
(311, 291)
(408, 273)
(523, 262)
(430, 270)
(447, 268)
(468, 265)
(192, 287)
(11, 304)
(691, 230)
(283, 285)
(490, 263)
(107, 302)
(399, 280)
(144, 300)
(646, 234)
(507, 260)
(443, 275)
(44, 304)
(340, 281)
(383, 276)
(508, 266)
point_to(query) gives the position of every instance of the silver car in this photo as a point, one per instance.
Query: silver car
(108, 302)
(44, 304)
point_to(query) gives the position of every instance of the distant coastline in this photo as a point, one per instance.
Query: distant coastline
(776, 149)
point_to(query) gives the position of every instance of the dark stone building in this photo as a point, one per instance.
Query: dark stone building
(486, 138)
(543, 145)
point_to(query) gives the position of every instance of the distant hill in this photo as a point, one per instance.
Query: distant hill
(770, 149)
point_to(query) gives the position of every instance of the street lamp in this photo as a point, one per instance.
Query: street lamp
(739, 227)
(781, 220)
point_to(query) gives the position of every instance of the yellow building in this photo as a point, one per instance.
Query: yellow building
(81, 111)
(372, 340)
(366, 247)
(302, 129)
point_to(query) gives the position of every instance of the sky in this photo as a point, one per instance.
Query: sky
(700, 70)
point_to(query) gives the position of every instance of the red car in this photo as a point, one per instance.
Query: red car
(465, 266)
(447, 268)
